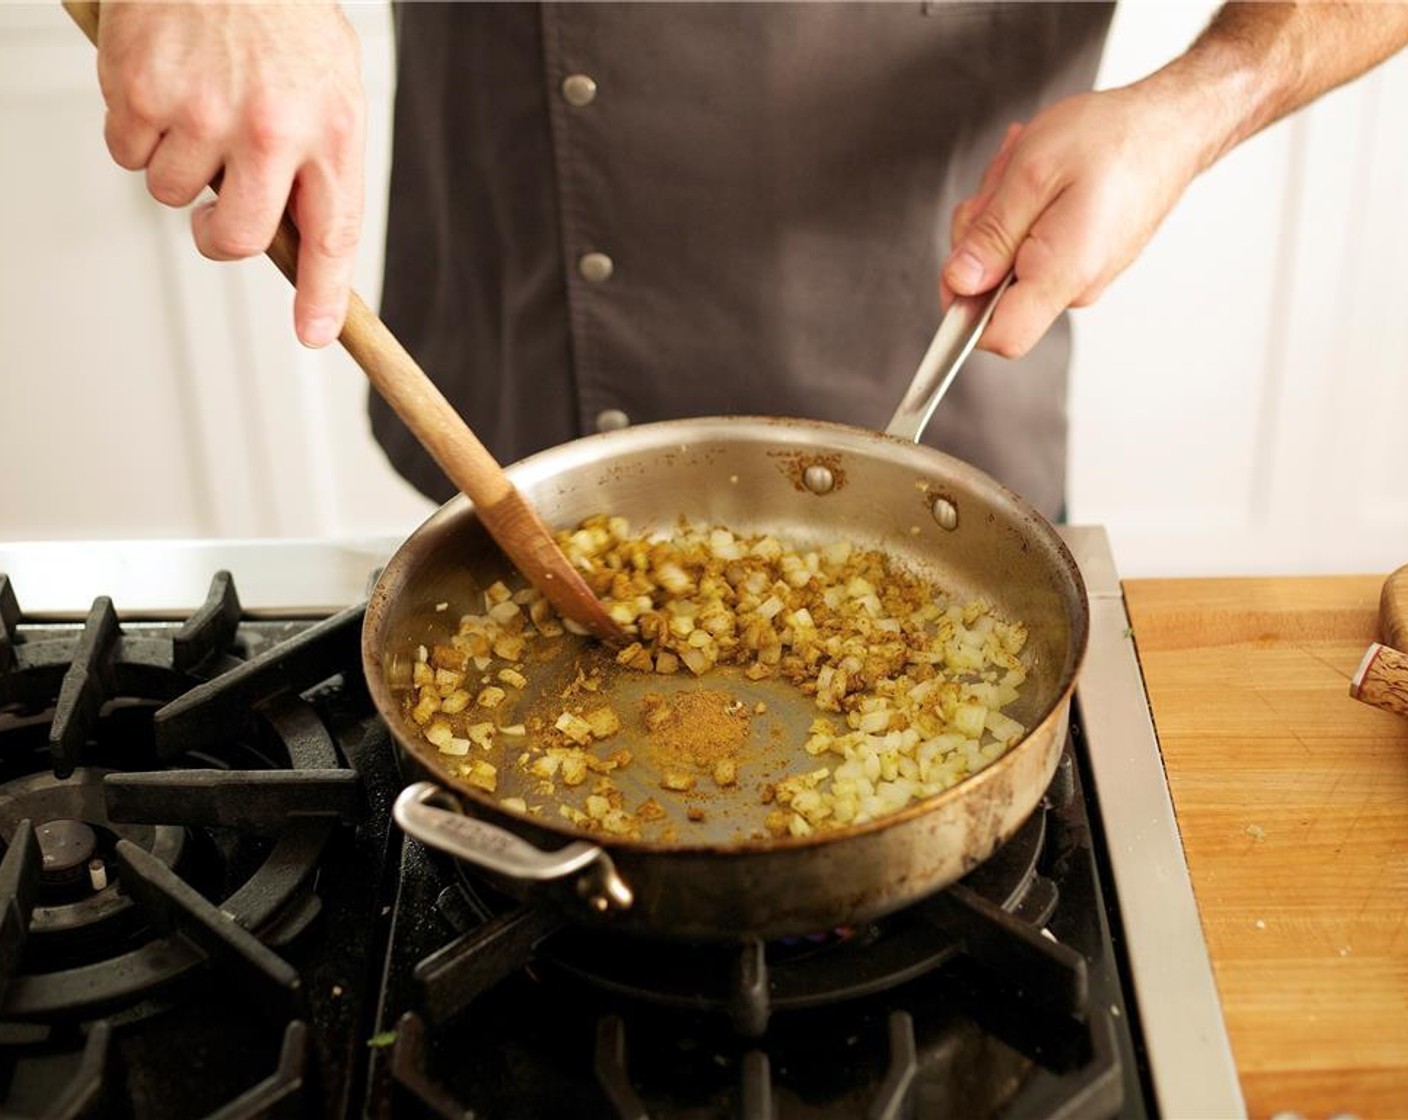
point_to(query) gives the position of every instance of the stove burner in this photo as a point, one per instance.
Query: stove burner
(748, 981)
(72, 826)
(753, 981)
(66, 848)
(94, 885)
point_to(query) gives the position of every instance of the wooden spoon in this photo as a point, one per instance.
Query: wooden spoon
(498, 504)
(1382, 677)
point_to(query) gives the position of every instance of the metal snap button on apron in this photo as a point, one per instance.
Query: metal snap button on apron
(612, 420)
(578, 90)
(595, 267)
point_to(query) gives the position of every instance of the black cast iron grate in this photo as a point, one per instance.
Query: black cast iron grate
(165, 802)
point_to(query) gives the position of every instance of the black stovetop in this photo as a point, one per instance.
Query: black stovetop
(210, 913)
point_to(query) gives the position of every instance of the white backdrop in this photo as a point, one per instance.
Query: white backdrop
(1239, 393)
(1235, 402)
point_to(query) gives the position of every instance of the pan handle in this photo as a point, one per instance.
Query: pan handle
(496, 849)
(959, 330)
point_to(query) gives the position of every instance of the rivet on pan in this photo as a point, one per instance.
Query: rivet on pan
(818, 479)
(945, 513)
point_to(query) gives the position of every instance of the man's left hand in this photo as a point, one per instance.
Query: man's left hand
(1068, 201)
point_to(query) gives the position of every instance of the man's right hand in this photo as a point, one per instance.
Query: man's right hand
(269, 94)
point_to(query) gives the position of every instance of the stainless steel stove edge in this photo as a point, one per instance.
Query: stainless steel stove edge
(1189, 1053)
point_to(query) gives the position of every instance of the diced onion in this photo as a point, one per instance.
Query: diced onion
(915, 682)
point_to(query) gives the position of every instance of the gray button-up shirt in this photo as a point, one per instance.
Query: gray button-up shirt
(646, 211)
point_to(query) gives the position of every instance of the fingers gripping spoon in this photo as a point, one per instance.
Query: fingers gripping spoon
(507, 515)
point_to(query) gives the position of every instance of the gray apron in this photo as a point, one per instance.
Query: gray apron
(608, 214)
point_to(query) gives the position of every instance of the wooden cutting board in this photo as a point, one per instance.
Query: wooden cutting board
(1292, 799)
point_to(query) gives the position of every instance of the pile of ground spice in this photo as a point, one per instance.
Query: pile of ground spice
(695, 730)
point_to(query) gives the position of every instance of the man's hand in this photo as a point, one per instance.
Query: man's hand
(271, 96)
(1071, 198)
(1068, 201)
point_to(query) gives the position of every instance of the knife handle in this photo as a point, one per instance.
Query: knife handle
(1382, 677)
(1393, 611)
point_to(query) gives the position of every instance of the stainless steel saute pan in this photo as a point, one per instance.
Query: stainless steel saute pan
(805, 483)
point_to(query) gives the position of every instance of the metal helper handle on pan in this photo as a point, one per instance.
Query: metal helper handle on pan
(589, 869)
(959, 331)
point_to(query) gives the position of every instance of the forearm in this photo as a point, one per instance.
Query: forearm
(1256, 62)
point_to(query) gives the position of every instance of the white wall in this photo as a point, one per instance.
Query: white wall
(1234, 400)
(148, 391)
(1237, 394)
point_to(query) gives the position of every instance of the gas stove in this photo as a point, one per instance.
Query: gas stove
(205, 908)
